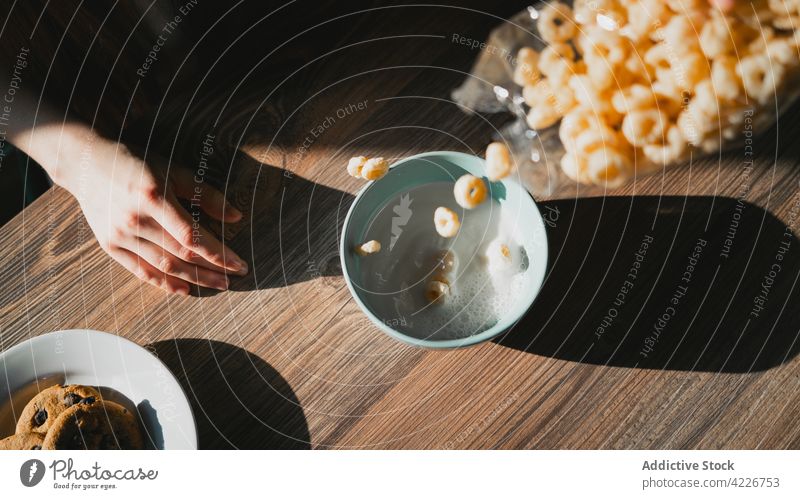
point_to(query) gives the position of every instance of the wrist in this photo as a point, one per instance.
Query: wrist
(62, 149)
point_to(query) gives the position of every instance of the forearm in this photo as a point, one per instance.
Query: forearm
(46, 136)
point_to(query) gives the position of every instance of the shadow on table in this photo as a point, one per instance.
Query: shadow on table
(290, 231)
(723, 305)
(238, 400)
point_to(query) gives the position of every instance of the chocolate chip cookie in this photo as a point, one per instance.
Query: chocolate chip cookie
(99, 425)
(44, 408)
(22, 441)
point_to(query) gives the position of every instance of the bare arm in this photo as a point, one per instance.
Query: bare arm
(131, 206)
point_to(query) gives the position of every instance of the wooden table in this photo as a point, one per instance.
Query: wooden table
(685, 353)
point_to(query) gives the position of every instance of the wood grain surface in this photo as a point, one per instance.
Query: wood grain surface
(286, 359)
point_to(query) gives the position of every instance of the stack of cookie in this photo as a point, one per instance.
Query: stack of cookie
(73, 417)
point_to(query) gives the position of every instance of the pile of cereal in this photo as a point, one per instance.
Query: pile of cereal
(639, 84)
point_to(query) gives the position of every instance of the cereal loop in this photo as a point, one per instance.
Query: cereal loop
(682, 6)
(574, 123)
(761, 78)
(609, 167)
(555, 22)
(445, 262)
(681, 35)
(560, 99)
(446, 222)
(368, 248)
(642, 17)
(557, 62)
(694, 124)
(590, 97)
(785, 7)
(600, 72)
(787, 23)
(636, 67)
(632, 98)
(724, 78)
(716, 37)
(644, 126)
(526, 71)
(691, 70)
(705, 98)
(542, 116)
(435, 291)
(783, 51)
(574, 167)
(498, 256)
(539, 93)
(498, 161)
(374, 168)
(607, 45)
(611, 13)
(355, 165)
(597, 139)
(672, 150)
(469, 191)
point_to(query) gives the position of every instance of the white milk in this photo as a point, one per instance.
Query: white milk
(394, 279)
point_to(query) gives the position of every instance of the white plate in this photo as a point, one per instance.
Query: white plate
(124, 371)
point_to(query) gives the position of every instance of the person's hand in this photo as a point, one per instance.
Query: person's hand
(134, 212)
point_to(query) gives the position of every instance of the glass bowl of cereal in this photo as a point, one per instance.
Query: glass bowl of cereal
(437, 255)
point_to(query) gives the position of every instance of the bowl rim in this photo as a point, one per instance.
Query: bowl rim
(503, 325)
(93, 332)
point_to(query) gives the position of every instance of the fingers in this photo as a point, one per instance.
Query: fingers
(214, 203)
(155, 233)
(170, 265)
(209, 199)
(189, 234)
(149, 274)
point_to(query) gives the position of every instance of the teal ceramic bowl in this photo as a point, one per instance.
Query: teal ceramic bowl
(431, 167)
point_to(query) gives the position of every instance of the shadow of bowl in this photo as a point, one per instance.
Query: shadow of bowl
(239, 401)
(666, 282)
